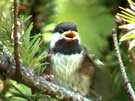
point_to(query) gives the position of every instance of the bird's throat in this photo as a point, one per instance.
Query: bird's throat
(67, 48)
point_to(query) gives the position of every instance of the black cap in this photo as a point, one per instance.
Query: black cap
(65, 26)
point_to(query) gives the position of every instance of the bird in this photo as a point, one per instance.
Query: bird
(68, 61)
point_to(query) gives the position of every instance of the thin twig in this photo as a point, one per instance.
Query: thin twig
(15, 36)
(127, 84)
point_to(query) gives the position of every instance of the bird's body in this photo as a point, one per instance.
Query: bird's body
(67, 72)
(69, 62)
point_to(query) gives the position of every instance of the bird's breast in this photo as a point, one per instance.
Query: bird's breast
(65, 69)
(65, 65)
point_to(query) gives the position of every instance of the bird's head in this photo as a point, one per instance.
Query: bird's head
(65, 39)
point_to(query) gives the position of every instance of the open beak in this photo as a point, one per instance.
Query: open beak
(69, 35)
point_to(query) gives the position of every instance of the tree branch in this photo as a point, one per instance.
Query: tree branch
(16, 45)
(30, 79)
(127, 84)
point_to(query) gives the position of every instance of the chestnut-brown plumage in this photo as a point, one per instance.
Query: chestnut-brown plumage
(69, 62)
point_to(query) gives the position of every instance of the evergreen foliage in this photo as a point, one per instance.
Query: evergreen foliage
(29, 51)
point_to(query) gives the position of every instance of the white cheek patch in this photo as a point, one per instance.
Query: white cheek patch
(55, 37)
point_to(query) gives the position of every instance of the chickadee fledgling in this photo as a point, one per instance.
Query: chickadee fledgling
(69, 62)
